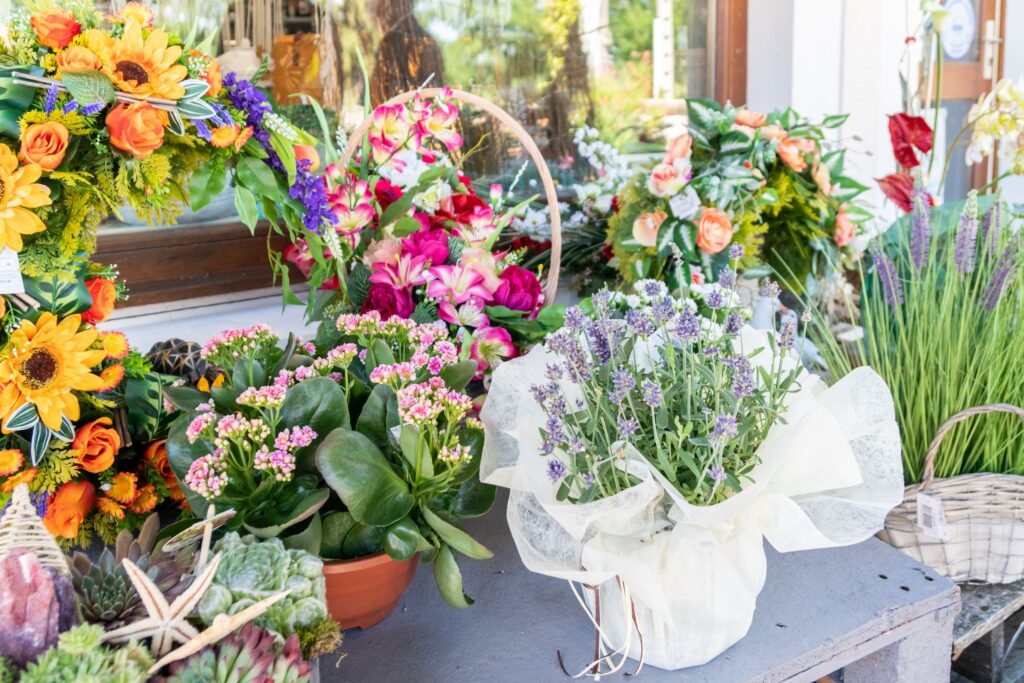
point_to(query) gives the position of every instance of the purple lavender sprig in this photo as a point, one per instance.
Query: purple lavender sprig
(892, 288)
(992, 226)
(966, 239)
(1004, 269)
(921, 229)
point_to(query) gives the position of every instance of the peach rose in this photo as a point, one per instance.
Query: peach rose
(750, 119)
(680, 148)
(791, 154)
(96, 444)
(56, 28)
(68, 507)
(844, 229)
(646, 227)
(44, 144)
(308, 152)
(773, 132)
(714, 231)
(77, 59)
(104, 296)
(666, 180)
(156, 455)
(136, 128)
(822, 178)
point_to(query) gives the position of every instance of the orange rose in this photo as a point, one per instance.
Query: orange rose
(844, 229)
(666, 179)
(56, 28)
(745, 117)
(44, 144)
(104, 296)
(714, 231)
(77, 59)
(136, 128)
(96, 444)
(307, 152)
(791, 154)
(68, 507)
(156, 455)
(822, 178)
(646, 226)
(773, 132)
(679, 148)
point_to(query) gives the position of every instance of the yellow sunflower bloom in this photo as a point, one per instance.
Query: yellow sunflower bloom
(146, 68)
(19, 192)
(49, 360)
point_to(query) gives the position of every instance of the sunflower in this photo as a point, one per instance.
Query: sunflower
(146, 68)
(19, 192)
(48, 360)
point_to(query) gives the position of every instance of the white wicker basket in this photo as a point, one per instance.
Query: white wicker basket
(984, 516)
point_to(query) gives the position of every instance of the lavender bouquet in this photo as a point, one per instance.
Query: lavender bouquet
(654, 442)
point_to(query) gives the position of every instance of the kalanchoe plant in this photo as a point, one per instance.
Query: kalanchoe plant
(677, 381)
(356, 444)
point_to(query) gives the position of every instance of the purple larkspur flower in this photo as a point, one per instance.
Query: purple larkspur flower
(311, 191)
(51, 98)
(651, 289)
(892, 288)
(1004, 268)
(651, 393)
(711, 352)
(556, 470)
(725, 428)
(736, 251)
(966, 239)
(70, 106)
(623, 381)
(920, 229)
(92, 109)
(202, 130)
(787, 334)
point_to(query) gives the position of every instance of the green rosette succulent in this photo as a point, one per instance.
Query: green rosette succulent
(80, 656)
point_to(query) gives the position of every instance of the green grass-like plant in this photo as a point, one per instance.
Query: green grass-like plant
(942, 310)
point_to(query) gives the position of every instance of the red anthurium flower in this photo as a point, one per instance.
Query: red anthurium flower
(906, 133)
(899, 187)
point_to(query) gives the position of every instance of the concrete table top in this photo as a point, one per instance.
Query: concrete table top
(867, 607)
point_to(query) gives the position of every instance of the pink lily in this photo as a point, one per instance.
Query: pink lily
(402, 271)
(481, 226)
(439, 123)
(389, 131)
(469, 314)
(457, 283)
(483, 262)
(490, 348)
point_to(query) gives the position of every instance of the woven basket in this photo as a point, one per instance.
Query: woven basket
(984, 516)
(355, 142)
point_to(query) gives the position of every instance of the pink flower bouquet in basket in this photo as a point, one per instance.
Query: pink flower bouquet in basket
(414, 239)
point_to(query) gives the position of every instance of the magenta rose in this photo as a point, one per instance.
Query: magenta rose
(432, 243)
(519, 290)
(388, 301)
(386, 193)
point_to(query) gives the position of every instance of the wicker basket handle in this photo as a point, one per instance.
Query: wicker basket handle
(356, 139)
(933, 450)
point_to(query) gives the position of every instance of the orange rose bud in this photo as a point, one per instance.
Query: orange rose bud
(303, 152)
(745, 117)
(68, 507)
(136, 128)
(55, 28)
(104, 296)
(146, 500)
(11, 460)
(23, 477)
(156, 455)
(95, 445)
(714, 231)
(792, 155)
(44, 144)
(124, 487)
(77, 59)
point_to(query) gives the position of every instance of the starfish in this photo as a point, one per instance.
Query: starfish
(201, 530)
(166, 624)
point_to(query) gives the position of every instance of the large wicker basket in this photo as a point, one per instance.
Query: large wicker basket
(355, 141)
(984, 516)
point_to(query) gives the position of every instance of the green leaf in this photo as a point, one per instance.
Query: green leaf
(409, 442)
(379, 354)
(358, 284)
(286, 153)
(457, 376)
(207, 182)
(362, 477)
(66, 431)
(701, 112)
(455, 537)
(25, 417)
(41, 436)
(834, 162)
(258, 177)
(318, 403)
(301, 509)
(194, 88)
(335, 526)
(360, 541)
(309, 539)
(401, 539)
(196, 109)
(89, 87)
(396, 210)
(449, 579)
(474, 498)
(372, 421)
(245, 204)
(15, 99)
(60, 297)
(405, 226)
(735, 142)
(834, 120)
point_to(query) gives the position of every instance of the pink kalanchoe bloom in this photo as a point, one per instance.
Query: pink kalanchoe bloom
(389, 131)
(457, 284)
(469, 314)
(401, 272)
(439, 123)
(491, 346)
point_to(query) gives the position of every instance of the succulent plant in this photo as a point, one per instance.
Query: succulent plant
(106, 595)
(80, 656)
(250, 655)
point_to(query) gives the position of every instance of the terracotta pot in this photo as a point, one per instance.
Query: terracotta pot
(362, 592)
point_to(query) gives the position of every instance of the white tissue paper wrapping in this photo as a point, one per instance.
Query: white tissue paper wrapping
(827, 478)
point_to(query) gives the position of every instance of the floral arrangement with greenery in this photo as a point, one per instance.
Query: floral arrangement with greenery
(371, 413)
(414, 239)
(958, 272)
(761, 181)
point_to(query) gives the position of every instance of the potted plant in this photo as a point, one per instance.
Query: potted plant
(358, 447)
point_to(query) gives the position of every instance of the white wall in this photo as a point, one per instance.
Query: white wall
(1013, 67)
